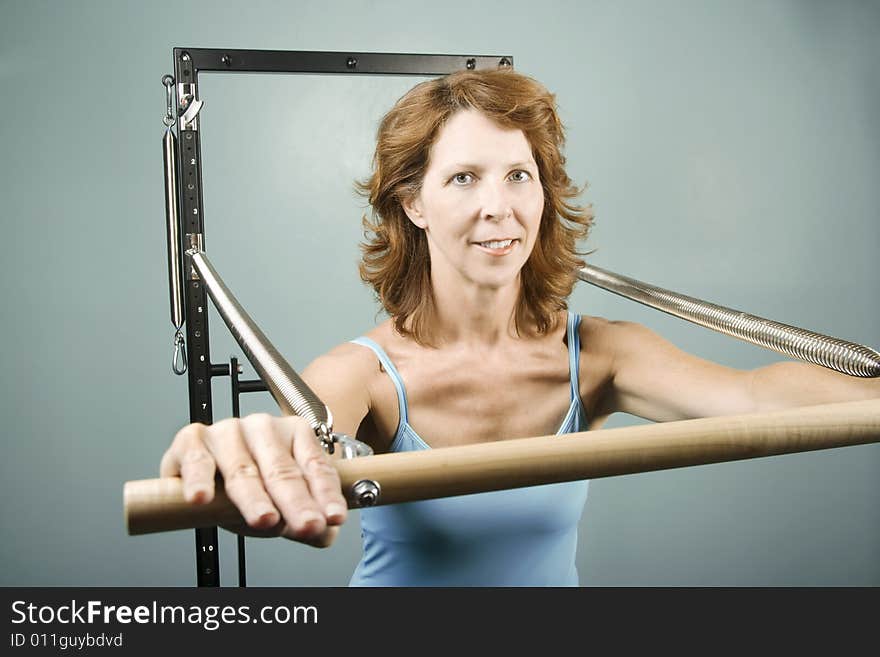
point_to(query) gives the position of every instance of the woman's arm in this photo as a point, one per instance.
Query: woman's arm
(653, 379)
(341, 379)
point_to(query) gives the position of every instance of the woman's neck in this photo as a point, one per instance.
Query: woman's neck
(474, 315)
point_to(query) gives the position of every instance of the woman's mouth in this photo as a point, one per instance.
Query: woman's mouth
(497, 247)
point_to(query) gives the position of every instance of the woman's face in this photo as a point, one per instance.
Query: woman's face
(480, 204)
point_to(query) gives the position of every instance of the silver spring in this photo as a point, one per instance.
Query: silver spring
(291, 393)
(833, 353)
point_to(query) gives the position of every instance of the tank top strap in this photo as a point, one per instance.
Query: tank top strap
(574, 353)
(392, 372)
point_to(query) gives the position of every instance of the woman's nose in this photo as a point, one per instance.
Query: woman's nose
(495, 201)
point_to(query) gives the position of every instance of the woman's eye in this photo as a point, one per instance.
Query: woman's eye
(520, 176)
(462, 178)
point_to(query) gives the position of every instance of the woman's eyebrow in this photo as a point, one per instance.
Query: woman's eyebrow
(479, 167)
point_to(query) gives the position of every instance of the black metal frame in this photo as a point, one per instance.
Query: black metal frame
(188, 63)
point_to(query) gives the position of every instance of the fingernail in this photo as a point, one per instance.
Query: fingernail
(264, 514)
(335, 510)
(307, 518)
(197, 495)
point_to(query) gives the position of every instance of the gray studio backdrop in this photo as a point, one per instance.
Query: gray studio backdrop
(732, 152)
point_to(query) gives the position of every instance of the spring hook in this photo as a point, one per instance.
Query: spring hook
(168, 81)
(325, 437)
(178, 360)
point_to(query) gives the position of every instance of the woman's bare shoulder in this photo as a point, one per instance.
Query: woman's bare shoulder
(622, 341)
(345, 378)
(348, 355)
(599, 333)
(354, 359)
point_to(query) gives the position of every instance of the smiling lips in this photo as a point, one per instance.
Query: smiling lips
(497, 247)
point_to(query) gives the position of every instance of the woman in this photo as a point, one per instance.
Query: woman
(472, 252)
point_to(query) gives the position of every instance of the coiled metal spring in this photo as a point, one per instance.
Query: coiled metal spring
(833, 353)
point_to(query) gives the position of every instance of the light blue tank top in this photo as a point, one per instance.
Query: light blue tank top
(517, 537)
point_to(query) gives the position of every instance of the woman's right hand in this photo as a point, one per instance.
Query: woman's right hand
(274, 470)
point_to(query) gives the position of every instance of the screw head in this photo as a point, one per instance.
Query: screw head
(471, 64)
(351, 62)
(365, 492)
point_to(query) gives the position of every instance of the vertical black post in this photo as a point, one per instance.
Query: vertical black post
(195, 295)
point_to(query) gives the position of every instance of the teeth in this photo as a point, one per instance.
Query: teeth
(497, 245)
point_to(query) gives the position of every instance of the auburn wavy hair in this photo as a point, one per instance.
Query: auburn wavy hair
(395, 252)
